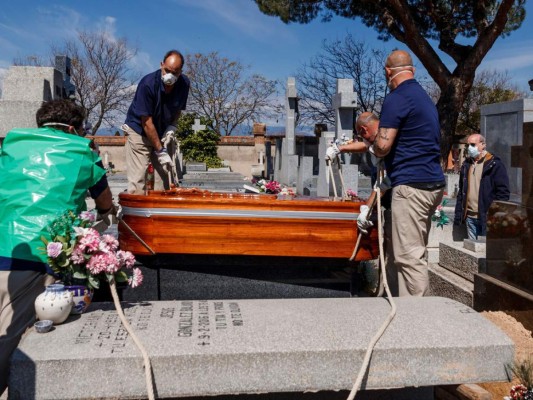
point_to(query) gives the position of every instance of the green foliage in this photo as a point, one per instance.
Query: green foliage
(489, 87)
(202, 146)
(437, 20)
(523, 372)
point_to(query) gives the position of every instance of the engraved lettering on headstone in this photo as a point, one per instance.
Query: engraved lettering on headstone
(236, 315)
(185, 319)
(203, 324)
(88, 329)
(143, 319)
(167, 312)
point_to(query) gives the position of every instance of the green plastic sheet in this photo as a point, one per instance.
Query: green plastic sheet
(44, 172)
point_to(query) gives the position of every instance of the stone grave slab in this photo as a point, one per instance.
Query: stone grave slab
(194, 166)
(216, 347)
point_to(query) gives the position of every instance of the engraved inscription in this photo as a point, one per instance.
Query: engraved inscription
(196, 321)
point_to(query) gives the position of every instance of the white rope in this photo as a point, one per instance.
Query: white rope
(329, 163)
(147, 364)
(392, 313)
(343, 186)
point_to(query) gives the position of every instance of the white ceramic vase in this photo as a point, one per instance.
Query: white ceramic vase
(54, 303)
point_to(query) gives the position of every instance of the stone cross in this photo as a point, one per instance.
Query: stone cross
(196, 127)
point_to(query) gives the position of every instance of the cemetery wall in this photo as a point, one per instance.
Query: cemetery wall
(111, 150)
(240, 152)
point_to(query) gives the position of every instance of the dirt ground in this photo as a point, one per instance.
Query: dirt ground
(518, 325)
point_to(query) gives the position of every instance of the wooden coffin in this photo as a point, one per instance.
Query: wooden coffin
(192, 221)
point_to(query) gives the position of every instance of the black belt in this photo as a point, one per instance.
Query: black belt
(427, 185)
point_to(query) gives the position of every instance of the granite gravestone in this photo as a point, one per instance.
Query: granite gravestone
(502, 125)
(25, 89)
(205, 348)
(286, 159)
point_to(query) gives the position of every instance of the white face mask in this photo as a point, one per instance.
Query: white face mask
(169, 79)
(389, 83)
(473, 151)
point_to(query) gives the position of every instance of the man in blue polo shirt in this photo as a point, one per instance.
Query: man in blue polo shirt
(151, 119)
(409, 139)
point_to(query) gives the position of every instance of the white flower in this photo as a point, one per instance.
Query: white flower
(81, 231)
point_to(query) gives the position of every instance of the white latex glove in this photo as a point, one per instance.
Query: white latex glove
(105, 220)
(362, 220)
(168, 136)
(332, 152)
(164, 159)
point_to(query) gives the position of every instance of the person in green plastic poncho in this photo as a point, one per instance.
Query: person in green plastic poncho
(44, 172)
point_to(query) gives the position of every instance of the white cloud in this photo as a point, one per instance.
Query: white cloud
(511, 56)
(242, 15)
(107, 25)
(142, 63)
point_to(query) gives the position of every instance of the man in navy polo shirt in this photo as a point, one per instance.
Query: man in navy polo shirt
(151, 118)
(409, 139)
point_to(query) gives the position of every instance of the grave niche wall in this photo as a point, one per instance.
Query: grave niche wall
(25, 89)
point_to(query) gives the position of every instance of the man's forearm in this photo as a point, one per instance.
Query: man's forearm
(104, 201)
(151, 134)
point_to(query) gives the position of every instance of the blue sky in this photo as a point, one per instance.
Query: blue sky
(234, 28)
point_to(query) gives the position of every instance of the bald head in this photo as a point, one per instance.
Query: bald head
(367, 125)
(399, 58)
(365, 119)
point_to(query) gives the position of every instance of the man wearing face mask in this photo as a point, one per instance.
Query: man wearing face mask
(483, 179)
(150, 122)
(409, 141)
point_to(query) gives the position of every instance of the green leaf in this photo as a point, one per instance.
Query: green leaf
(79, 275)
(121, 276)
(44, 240)
(61, 239)
(94, 282)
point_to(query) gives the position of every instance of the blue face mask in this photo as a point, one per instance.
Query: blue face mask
(473, 151)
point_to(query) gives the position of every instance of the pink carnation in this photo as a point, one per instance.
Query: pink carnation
(77, 256)
(90, 241)
(110, 241)
(103, 262)
(87, 216)
(136, 279)
(53, 249)
(126, 258)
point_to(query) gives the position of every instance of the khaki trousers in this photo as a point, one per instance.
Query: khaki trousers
(407, 227)
(139, 153)
(18, 291)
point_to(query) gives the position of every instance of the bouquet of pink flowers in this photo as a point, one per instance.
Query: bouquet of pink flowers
(79, 252)
(271, 187)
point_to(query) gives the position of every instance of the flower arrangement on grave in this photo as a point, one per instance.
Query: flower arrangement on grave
(440, 216)
(266, 186)
(524, 372)
(351, 194)
(77, 252)
(506, 221)
(272, 187)
(519, 392)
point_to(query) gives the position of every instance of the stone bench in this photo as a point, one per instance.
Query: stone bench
(216, 347)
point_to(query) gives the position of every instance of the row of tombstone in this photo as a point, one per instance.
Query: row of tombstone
(295, 170)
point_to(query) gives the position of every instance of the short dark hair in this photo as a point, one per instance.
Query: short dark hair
(62, 111)
(176, 53)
